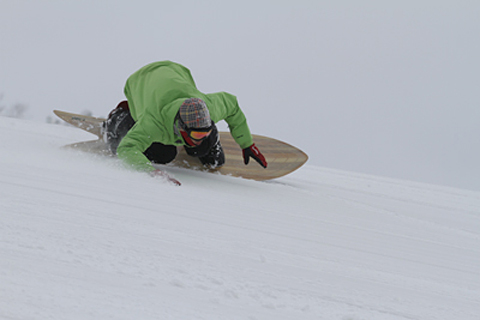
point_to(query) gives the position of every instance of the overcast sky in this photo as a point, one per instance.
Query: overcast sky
(389, 88)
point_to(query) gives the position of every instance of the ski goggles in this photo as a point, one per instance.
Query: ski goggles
(197, 134)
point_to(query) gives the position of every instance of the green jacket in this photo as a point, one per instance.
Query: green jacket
(155, 93)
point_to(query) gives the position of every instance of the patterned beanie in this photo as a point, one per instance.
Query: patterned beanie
(194, 113)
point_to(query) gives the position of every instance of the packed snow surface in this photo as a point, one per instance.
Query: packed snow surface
(81, 237)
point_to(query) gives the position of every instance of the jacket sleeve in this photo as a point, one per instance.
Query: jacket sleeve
(224, 106)
(133, 145)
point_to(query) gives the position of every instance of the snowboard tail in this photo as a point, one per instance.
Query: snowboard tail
(87, 123)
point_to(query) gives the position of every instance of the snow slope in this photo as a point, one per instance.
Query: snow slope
(83, 238)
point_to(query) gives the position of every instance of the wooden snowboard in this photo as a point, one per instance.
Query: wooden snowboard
(87, 123)
(282, 158)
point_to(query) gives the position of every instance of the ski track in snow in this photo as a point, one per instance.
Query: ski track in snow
(81, 237)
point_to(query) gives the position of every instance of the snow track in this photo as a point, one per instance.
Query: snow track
(83, 238)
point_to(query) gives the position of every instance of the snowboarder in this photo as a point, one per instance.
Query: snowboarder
(164, 109)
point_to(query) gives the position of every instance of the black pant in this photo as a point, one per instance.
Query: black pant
(119, 122)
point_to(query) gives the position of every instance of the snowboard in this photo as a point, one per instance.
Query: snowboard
(282, 157)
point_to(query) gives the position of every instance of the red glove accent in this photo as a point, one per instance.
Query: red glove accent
(253, 152)
(165, 176)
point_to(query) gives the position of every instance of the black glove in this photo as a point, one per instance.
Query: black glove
(253, 152)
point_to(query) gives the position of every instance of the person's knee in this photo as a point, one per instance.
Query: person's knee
(215, 158)
(160, 153)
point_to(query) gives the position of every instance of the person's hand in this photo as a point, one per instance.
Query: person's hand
(253, 152)
(165, 176)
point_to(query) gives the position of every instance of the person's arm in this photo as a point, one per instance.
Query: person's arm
(225, 107)
(133, 145)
